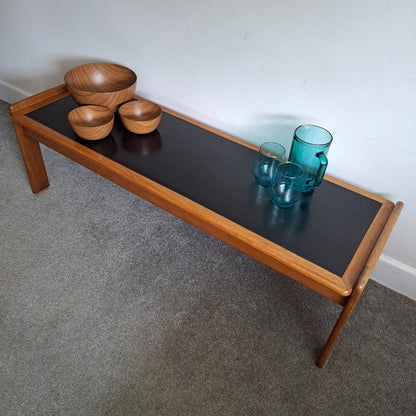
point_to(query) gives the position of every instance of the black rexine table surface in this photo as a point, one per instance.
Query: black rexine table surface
(325, 241)
(323, 228)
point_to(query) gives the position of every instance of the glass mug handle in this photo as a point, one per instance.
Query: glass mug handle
(323, 163)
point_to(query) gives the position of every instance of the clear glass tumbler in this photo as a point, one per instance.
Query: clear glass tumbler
(268, 158)
(288, 185)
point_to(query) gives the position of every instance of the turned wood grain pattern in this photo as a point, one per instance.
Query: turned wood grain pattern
(103, 84)
(91, 122)
(140, 116)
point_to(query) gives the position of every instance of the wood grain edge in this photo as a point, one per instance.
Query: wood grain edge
(38, 100)
(379, 246)
(280, 259)
(363, 251)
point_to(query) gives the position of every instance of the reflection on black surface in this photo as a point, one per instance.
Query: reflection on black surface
(256, 194)
(286, 223)
(289, 222)
(141, 144)
(107, 146)
(325, 227)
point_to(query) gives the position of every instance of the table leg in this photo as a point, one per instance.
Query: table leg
(359, 287)
(339, 326)
(32, 156)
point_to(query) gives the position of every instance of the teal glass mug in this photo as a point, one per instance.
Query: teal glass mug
(309, 149)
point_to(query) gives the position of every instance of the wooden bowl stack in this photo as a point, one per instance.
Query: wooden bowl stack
(103, 84)
(101, 89)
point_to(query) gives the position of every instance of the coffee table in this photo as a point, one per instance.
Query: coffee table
(330, 241)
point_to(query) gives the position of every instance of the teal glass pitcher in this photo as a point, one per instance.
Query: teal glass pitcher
(309, 149)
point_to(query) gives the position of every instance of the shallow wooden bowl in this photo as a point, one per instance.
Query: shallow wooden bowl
(140, 116)
(103, 84)
(91, 122)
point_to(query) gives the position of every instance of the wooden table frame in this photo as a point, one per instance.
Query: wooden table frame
(345, 291)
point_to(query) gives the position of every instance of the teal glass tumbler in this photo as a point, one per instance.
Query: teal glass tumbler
(309, 149)
(268, 158)
(288, 185)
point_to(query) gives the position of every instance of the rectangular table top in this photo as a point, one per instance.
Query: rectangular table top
(329, 241)
(325, 228)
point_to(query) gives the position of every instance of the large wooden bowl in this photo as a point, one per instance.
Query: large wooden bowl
(91, 122)
(103, 84)
(140, 116)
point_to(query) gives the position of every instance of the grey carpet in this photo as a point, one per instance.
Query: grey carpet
(111, 306)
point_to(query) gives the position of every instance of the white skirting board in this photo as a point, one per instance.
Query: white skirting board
(388, 272)
(396, 276)
(11, 94)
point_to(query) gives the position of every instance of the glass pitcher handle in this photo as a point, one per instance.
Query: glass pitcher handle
(323, 163)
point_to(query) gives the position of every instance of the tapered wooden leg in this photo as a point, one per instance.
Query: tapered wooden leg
(32, 156)
(359, 287)
(339, 326)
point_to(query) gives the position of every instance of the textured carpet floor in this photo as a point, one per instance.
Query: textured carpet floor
(111, 306)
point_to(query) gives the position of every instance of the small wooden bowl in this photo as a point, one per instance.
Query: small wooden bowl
(103, 84)
(91, 122)
(140, 116)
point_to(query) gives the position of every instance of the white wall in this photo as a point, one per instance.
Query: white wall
(255, 69)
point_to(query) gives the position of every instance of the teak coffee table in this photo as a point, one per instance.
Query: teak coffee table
(330, 241)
